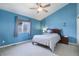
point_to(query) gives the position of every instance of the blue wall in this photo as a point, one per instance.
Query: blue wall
(65, 15)
(7, 25)
(78, 9)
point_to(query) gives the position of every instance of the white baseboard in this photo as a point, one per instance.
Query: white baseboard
(15, 43)
(73, 44)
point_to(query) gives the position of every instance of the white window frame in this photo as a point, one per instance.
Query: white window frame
(16, 27)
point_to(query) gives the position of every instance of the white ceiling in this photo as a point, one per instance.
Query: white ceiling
(24, 9)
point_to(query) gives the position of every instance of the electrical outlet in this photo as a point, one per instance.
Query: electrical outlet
(3, 41)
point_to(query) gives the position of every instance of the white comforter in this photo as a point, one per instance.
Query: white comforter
(47, 39)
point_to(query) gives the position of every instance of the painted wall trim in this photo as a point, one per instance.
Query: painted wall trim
(15, 43)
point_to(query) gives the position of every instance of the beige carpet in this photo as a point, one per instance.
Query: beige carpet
(27, 49)
(67, 50)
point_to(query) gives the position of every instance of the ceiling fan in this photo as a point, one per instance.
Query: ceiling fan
(41, 7)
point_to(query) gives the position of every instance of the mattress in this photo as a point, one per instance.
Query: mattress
(49, 40)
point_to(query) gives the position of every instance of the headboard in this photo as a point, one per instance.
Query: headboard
(56, 31)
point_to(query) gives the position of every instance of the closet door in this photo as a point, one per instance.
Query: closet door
(78, 30)
(78, 23)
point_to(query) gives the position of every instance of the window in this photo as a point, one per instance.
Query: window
(22, 26)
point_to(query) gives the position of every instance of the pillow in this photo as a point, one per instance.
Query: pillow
(49, 31)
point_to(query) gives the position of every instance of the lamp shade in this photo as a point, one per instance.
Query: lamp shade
(45, 29)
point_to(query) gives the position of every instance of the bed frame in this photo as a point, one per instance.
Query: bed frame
(58, 31)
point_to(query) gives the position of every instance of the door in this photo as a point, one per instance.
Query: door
(77, 30)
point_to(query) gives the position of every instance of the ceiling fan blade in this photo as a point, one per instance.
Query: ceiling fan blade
(46, 5)
(38, 4)
(37, 11)
(45, 10)
(33, 8)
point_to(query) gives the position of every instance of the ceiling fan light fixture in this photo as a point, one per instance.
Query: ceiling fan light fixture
(40, 9)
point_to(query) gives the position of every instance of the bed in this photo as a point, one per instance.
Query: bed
(49, 40)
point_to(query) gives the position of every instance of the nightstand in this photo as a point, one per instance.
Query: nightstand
(64, 40)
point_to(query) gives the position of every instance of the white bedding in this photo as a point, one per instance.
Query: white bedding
(47, 39)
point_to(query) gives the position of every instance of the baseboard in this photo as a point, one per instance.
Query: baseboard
(73, 44)
(30, 41)
(14, 44)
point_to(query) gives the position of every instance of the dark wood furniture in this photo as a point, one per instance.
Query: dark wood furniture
(56, 31)
(64, 40)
